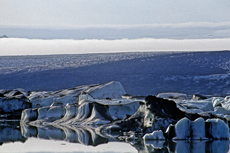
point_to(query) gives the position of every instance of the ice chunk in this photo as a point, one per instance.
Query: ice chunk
(198, 129)
(173, 95)
(86, 112)
(217, 101)
(182, 129)
(155, 135)
(217, 129)
(221, 110)
(226, 103)
(195, 106)
(113, 90)
(85, 96)
(186, 129)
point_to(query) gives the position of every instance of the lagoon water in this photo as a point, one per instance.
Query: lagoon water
(35, 145)
(15, 139)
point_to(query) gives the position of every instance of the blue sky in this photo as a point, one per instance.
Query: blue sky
(90, 26)
(72, 13)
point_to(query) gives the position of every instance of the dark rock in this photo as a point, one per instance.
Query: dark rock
(107, 98)
(163, 108)
(1, 95)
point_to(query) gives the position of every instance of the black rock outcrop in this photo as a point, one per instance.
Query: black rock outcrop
(164, 108)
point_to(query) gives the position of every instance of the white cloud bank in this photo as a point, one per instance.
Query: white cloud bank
(21, 46)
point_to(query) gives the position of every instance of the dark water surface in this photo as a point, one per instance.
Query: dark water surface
(15, 138)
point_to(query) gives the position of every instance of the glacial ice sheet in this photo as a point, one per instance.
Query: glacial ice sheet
(140, 73)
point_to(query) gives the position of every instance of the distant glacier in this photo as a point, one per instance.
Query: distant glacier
(141, 73)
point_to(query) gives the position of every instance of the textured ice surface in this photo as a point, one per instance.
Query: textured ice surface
(195, 106)
(96, 105)
(200, 129)
(110, 90)
(186, 129)
(218, 129)
(145, 74)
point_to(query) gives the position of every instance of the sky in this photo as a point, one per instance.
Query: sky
(112, 20)
(72, 13)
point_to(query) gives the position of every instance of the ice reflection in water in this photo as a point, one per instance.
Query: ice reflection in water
(11, 132)
(217, 146)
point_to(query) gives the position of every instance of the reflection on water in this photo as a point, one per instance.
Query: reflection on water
(10, 132)
(88, 136)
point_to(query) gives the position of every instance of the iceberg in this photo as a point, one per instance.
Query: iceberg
(155, 135)
(217, 129)
(186, 129)
(99, 113)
